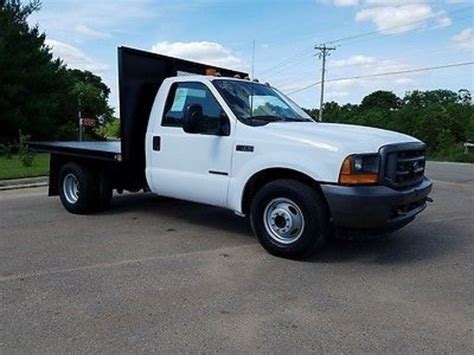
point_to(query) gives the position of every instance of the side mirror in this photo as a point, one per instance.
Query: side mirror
(192, 116)
(224, 125)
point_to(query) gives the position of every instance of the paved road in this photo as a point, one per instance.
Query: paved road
(160, 274)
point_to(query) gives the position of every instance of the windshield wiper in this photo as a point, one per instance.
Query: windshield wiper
(271, 118)
(291, 119)
(267, 118)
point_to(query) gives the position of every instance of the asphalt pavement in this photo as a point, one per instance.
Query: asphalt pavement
(157, 274)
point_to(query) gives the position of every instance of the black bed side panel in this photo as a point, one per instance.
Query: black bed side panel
(140, 76)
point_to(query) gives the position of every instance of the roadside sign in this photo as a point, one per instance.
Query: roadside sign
(87, 122)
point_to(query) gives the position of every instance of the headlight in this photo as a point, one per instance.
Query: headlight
(360, 170)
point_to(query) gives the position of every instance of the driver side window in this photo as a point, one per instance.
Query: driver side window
(182, 95)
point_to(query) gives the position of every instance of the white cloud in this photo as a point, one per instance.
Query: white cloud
(393, 2)
(354, 89)
(203, 51)
(89, 19)
(443, 20)
(396, 16)
(346, 2)
(361, 87)
(89, 32)
(464, 40)
(74, 57)
(369, 3)
(341, 3)
(353, 60)
(335, 95)
(397, 19)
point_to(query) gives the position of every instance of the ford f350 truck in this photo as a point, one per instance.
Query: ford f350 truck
(245, 146)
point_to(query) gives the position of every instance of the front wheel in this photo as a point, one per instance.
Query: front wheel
(289, 218)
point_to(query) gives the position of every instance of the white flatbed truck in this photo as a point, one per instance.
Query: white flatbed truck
(245, 146)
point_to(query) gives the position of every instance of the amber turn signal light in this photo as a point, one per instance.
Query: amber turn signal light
(350, 176)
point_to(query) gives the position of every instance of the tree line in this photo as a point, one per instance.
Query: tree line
(443, 119)
(39, 95)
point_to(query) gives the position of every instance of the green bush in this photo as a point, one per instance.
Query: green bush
(25, 155)
(8, 150)
(110, 130)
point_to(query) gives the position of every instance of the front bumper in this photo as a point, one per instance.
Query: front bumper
(375, 207)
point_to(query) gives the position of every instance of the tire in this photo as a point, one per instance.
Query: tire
(105, 193)
(80, 191)
(286, 200)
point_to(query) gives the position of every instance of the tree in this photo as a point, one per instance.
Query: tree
(384, 100)
(29, 77)
(465, 96)
(422, 99)
(39, 94)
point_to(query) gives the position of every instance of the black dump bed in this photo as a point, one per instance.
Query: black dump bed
(140, 76)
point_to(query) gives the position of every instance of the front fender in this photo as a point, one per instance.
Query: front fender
(318, 169)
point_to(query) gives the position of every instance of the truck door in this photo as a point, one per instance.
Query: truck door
(192, 166)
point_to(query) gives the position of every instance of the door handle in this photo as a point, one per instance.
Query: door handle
(156, 143)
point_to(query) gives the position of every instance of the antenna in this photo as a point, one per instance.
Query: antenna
(253, 59)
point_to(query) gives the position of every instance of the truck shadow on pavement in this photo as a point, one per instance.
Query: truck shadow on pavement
(181, 212)
(418, 241)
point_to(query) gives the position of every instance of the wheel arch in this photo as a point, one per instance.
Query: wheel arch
(57, 161)
(263, 177)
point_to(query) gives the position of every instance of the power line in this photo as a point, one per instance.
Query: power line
(358, 40)
(378, 61)
(384, 74)
(297, 56)
(409, 54)
(284, 65)
(288, 60)
(364, 34)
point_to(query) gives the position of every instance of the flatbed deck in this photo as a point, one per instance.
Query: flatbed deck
(109, 150)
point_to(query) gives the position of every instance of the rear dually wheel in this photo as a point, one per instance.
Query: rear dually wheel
(82, 190)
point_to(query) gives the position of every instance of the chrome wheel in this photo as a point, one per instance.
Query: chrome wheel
(283, 220)
(71, 188)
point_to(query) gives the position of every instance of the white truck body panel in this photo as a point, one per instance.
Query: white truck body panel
(181, 168)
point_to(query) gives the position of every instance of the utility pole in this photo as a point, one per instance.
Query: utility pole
(324, 52)
(79, 116)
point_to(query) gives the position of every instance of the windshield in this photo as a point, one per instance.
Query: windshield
(257, 104)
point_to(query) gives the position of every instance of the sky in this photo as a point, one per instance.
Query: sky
(369, 36)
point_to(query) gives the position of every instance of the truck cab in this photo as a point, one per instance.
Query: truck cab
(245, 146)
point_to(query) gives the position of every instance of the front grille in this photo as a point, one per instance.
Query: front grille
(404, 165)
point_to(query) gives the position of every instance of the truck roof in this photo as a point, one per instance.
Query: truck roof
(214, 78)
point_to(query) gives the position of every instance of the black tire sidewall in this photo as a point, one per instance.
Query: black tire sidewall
(314, 212)
(88, 193)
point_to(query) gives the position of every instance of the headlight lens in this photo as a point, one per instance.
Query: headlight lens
(360, 170)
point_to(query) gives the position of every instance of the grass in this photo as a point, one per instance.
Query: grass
(453, 153)
(13, 169)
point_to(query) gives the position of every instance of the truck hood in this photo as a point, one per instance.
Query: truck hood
(337, 137)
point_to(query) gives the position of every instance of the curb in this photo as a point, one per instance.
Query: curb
(23, 183)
